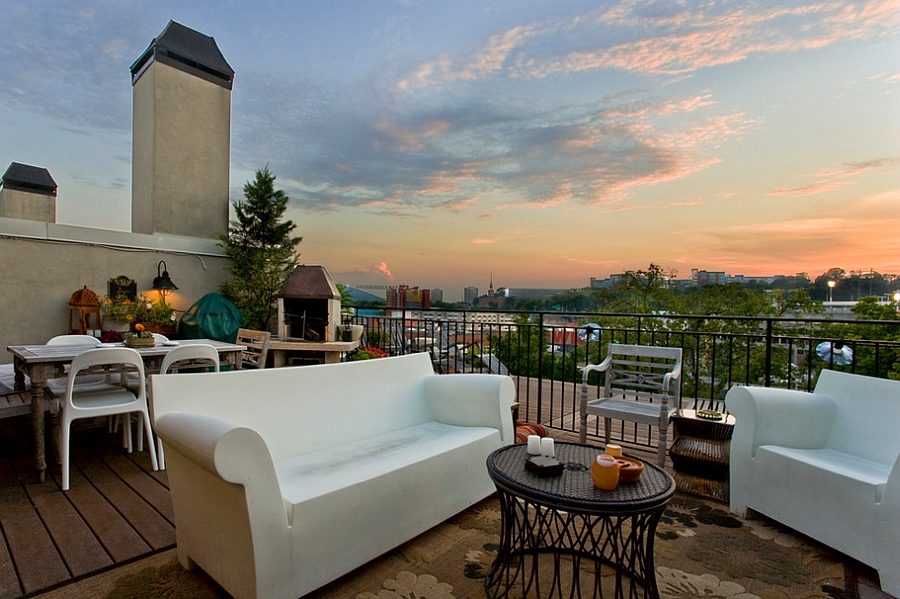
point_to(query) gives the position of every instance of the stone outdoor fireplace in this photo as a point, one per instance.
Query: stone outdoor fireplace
(309, 306)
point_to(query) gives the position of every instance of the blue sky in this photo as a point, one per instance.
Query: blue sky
(433, 143)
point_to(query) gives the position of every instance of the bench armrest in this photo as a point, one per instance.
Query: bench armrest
(784, 417)
(675, 374)
(601, 367)
(473, 400)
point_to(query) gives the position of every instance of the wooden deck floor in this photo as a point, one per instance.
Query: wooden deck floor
(116, 510)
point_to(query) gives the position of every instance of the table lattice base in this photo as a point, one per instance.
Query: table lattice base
(552, 553)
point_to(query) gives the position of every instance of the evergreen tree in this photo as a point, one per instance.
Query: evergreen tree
(262, 251)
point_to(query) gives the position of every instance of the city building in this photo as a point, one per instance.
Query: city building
(702, 278)
(405, 296)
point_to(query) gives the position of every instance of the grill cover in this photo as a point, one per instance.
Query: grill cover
(212, 317)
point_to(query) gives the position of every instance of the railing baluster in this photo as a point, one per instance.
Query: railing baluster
(759, 350)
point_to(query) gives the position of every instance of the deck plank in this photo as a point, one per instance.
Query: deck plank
(80, 549)
(140, 479)
(38, 563)
(9, 582)
(115, 533)
(152, 528)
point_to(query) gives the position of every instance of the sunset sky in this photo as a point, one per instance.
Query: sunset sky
(434, 143)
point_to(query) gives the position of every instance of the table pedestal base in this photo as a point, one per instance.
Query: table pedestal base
(546, 552)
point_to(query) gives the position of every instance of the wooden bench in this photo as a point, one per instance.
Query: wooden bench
(641, 384)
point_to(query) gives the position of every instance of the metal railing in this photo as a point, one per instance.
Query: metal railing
(544, 351)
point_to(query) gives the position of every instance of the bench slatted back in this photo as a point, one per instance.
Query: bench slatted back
(637, 372)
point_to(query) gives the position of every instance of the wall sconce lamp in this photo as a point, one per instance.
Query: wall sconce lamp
(162, 282)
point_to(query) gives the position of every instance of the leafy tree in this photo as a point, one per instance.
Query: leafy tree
(646, 291)
(868, 308)
(261, 249)
(519, 349)
(840, 292)
(346, 297)
(795, 301)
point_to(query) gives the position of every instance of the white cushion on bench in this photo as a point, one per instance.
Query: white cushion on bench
(859, 473)
(329, 470)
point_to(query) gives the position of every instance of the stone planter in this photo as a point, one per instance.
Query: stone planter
(120, 326)
(350, 332)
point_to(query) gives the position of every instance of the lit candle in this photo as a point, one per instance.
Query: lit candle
(534, 445)
(547, 449)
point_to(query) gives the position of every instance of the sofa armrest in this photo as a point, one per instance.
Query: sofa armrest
(784, 417)
(473, 400)
(235, 453)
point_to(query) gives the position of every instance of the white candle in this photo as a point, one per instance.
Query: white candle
(547, 449)
(534, 445)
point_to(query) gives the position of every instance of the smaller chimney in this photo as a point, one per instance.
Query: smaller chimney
(28, 192)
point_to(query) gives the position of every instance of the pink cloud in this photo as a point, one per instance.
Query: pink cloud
(855, 168)
(382, 268)
(809, 190)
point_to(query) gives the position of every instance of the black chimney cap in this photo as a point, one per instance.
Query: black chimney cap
(189, 51)
(24, 177)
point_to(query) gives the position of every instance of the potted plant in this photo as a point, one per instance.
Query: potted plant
(367, 353)
(140, 338)
(153, 316)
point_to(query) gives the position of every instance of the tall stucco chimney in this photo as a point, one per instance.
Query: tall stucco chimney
(181, 136)
(28, 192)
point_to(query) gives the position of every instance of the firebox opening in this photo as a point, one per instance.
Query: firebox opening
(306, 319)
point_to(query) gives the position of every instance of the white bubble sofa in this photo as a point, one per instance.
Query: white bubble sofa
(284, 479)
(824, 463)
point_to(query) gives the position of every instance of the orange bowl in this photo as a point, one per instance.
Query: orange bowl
(629, 469)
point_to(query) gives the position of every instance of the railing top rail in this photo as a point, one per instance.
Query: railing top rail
(804, 319)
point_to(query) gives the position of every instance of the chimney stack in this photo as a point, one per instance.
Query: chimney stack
(28, 192)
(181, 136)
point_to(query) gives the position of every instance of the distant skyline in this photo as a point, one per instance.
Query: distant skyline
(430, 143)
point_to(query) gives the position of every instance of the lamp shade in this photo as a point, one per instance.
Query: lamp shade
(162, 282)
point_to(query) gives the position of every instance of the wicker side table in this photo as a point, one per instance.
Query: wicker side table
(558, 531)
(701, 453)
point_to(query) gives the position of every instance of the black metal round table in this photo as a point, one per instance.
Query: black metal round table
(558, 531)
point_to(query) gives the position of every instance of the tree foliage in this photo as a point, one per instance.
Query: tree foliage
(262, 251)
(646, 291)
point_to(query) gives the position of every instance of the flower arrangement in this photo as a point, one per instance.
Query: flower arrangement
(141, 331)
(367, 353)
(139, 310)
(141, 337)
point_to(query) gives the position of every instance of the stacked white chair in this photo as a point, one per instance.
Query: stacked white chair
(194, 355)
(89, 403)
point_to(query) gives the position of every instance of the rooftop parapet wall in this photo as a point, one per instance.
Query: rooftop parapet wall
(43, 263)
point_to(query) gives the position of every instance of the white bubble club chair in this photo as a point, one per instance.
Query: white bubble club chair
(641, 384)
(78, 403)
(194, 356)
(826, 464)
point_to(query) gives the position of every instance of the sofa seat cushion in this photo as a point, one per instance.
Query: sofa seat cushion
(863, 476)
(323, 472)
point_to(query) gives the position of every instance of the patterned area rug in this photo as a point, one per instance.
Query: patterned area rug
(702, 550)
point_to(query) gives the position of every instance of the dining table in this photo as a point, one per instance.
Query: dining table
(41, 363)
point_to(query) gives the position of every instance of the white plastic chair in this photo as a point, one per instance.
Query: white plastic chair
(194, 355)
(87, 403)
(57, 386)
